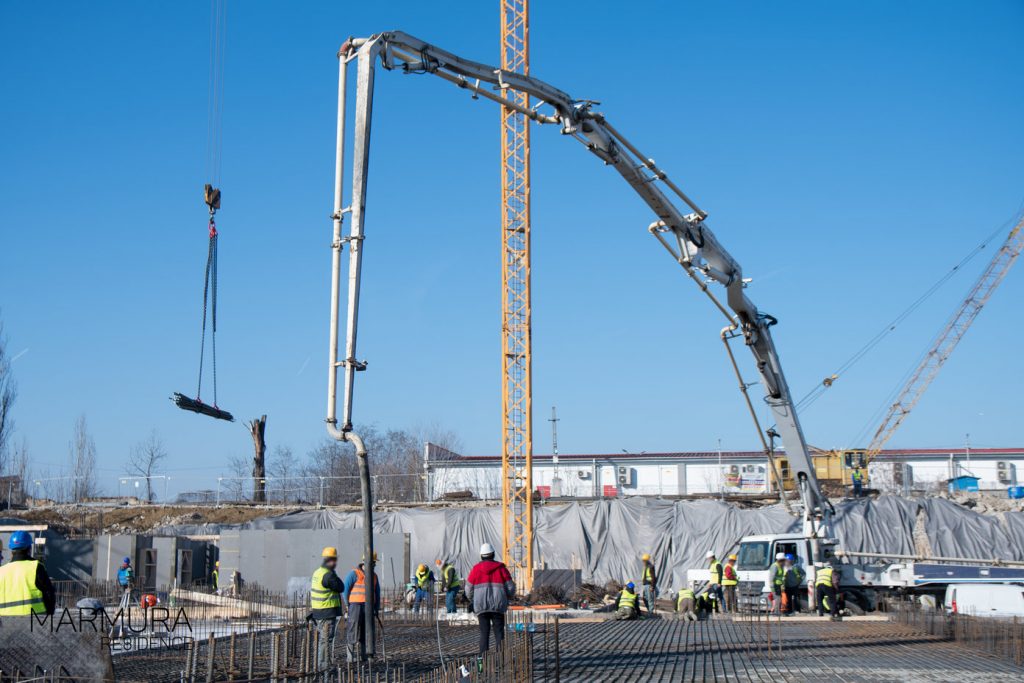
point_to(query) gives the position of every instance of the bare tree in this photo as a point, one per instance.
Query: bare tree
(82, 456)
(258, 429)
(144, 460)
(236, 488)
(284, 470)
(8, 394)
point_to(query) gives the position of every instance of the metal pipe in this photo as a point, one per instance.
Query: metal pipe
(368, 563)
(921, 558)
(336, 245)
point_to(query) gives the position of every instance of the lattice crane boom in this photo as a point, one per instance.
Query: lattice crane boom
(948, 338)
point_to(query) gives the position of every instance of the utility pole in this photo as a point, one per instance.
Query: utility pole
(556, 480)
(721, 478)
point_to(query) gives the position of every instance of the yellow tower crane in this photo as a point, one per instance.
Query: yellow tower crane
(516, 361)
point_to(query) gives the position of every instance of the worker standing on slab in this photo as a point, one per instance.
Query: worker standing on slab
(778, 577)
(215, 575)
(450, 584)
(25, 586)
(627, 604)
(826, 583)
(715, 583)
(355, 596)
(685, 601)
(730, 579)
(325, 602)
(791, 584)
(858, 482)
(488, 588)
(423, 582)
(126, 575)
(649, 583)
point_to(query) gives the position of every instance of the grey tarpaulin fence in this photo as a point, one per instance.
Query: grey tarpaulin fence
(605, 538)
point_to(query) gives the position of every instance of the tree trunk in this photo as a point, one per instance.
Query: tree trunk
(258, 429)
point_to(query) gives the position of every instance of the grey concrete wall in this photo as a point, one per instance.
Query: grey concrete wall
(69, 559)
(284, 559)
(108, 551)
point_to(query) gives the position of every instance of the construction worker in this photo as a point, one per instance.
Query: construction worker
(126, 575)
(858, 482)
(325, 601)
(25, 586)
(423, 581)
(649, 583)
(791, 584)
(730, 579)
(686, 599)
(489, 587)
(778, 581)
(450, 584)
(215, 575)
(627, 603)
(826, 584)
(355, 597)
(715, 583)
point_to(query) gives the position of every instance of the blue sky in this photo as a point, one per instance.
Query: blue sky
(847, 153)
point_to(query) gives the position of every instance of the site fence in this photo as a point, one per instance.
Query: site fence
(1003, 637)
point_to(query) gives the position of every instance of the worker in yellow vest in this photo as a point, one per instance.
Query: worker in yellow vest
(685, 601)
(423, 582)
(649, 581)
(627, 605)
(450, 584)
(730, 579)
(25, 586)
(215, 576)
(777, 572)
(715, 582)
(325, 600)
(355, 596)
(826, 594)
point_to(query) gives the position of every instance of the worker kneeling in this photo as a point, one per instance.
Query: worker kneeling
(686, 601)
(627, 604)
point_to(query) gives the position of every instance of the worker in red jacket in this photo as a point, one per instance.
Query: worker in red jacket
(489, 587)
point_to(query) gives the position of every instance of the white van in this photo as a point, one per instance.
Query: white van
(985, 599)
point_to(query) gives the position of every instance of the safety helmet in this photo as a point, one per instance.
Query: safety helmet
(126, 560)
(330, 552)
(217, 563)
(710, 554)
(421, 568)
(19, 540)
(645, 557)
(437, 562)
(732, 557)
(630, 585)
(374, 556)
(780, 556)
(486, 549)
(789, 556)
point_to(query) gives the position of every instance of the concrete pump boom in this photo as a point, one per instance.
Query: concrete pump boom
(684, 233)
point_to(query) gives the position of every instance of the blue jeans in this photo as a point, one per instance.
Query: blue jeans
(449, 599)
(421, 595)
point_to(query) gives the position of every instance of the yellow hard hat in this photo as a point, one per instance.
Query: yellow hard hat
(732, 557)
(422, 568)
(330, 551)
(374, 556)
(217, 563)
(645, 557)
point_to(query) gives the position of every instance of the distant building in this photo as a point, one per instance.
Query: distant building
(730, 473)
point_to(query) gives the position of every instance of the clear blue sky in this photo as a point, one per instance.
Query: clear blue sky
(848, 154)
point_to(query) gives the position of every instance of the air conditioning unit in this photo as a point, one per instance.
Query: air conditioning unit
(583, 474)
(1005, 472)
(625, 476)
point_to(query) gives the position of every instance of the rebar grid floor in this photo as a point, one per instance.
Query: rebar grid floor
(719, 649)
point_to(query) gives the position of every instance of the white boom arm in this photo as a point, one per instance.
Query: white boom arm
(684, 234)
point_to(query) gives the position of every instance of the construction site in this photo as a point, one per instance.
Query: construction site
(796, 552)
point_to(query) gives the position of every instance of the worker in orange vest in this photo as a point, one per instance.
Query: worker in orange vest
(355, 596)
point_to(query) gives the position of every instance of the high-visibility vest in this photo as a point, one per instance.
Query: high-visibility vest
(780, 575)
(216, 577)
(423, 580)
(823, 577)
(19, 596)
(627, 599)
(358, 591)
(729, 575)
(320, 597)
(648, 574)
(714, 571)
(684, 594)
(857, 475)
(448, 574)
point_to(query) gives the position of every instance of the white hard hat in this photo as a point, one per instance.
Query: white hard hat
(780, 556)
(486, 549)
(710, 554)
